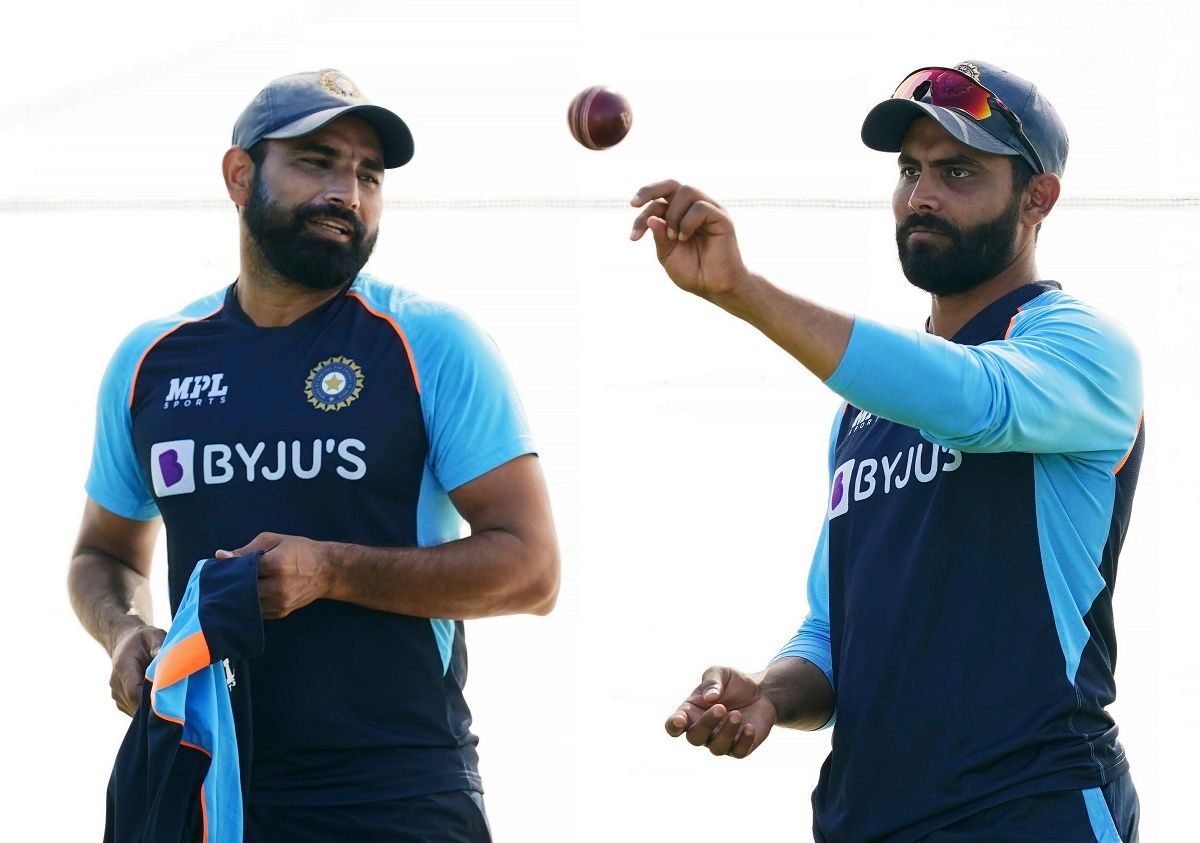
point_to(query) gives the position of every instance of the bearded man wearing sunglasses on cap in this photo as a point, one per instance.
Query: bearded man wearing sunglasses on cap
(982, 472)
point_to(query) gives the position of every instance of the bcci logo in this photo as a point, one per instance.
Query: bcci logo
(968, 69)
(333, 383)
(340, 85)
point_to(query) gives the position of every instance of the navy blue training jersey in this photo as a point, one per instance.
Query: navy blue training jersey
(350, 425)
(961, 592)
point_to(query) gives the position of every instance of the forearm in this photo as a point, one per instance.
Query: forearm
(802, 696)
(109, 597)
(814, 335)
(492, 572)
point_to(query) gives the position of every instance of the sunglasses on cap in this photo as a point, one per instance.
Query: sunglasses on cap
(948, 88)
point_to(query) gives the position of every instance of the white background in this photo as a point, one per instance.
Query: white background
(685, 454)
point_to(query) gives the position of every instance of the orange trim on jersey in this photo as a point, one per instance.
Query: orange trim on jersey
(412, 364)
(137, 370)
(195, 747)
(182, 660)
(162, 716)
(203, 810)
(1013, 321)
(1136, 431)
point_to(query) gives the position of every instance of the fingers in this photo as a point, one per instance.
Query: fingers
(126, 687)
(723, 714)
(723, 734)
(130, 661)
(673, 203)
(697, 218)
(712, 683)
(744, 743)
(652, 213)
(156, 637)
(263, 541)
(678, 722)
(701, 732)
(652, 191)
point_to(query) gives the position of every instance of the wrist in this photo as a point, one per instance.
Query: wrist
(129, 625)
(333, 558)
(738, 296)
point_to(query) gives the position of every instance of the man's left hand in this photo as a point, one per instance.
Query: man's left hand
(292, 572)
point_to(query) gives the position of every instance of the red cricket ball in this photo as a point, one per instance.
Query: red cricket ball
(599, 117)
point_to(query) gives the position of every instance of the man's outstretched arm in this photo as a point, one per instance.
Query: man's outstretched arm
(697, 246)
(509, 564)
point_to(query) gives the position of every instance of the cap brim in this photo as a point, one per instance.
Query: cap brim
(887, 123)
(393, 132)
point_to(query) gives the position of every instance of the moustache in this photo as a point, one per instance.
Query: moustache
(333, 212)
(929, 223)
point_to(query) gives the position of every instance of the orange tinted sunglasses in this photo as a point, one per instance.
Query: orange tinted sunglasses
(948, 88)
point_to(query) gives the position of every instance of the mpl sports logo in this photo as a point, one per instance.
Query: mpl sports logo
(861, 420)
(178, 467)
(858, 480)
(196, 391)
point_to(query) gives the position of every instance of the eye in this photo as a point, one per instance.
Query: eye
(318, 163)
(958, 173)
(909, 172)
(370, 179)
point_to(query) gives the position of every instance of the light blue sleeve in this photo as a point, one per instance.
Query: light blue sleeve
(115, 480)
(473, 416)
(811, 641)
(1065, 380)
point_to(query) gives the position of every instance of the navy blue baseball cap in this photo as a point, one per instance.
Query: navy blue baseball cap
(979, 104)
(300, 104)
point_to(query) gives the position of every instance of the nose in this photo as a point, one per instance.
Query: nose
(924, 197)
(343, 190)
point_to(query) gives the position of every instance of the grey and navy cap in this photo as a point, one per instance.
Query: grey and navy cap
(887, 123)
(300, 104)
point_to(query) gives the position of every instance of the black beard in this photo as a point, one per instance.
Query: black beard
(972, 257)
(298, 254)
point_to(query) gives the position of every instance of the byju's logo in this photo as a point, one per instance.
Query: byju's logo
(860, 480)
(839, 497)
(196, 391)
(176, 467)
(171, 467)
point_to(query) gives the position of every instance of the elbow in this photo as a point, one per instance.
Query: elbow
(543, 589)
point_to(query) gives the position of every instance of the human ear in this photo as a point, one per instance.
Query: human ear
(1041, 194)
(238, 170)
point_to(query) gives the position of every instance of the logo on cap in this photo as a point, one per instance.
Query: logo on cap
(334, 383)
(969, 69)
(340, 85)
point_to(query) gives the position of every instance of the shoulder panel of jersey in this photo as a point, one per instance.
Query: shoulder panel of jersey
(115, 480)
(473, 417)
(1065, 379)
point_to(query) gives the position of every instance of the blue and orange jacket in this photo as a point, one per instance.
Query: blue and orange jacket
(177, 776)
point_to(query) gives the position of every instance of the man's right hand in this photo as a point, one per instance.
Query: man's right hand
(727, 712)
(131, 655)
(693, 236)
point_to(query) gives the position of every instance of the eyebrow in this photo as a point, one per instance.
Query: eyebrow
(373, 164)
(958, 160)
